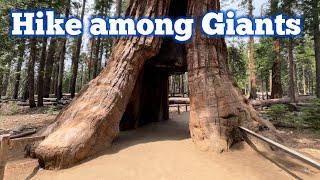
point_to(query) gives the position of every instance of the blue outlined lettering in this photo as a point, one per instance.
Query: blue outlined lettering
(213, 24)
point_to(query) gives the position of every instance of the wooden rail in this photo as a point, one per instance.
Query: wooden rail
(289, 151)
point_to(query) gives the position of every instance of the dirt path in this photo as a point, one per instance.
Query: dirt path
(165, 151)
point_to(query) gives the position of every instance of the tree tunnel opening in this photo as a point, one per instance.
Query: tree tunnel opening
(149, 100)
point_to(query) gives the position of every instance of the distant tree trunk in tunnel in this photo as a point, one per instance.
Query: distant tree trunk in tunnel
(130, 82)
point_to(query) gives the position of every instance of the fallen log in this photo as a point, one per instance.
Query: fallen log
(23, 134)
(270, 102)
(177, 100)
(45, 104)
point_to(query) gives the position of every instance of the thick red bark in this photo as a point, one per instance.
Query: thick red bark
(217, 104)
(91, 121)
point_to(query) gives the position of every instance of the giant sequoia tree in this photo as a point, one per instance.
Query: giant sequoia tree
(133, 90)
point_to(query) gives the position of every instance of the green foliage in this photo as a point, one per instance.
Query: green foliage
(311, 115)
(278, 111)
(10, 108)
(51, 110)
(307, 117)
(307, 8)
(237, 63)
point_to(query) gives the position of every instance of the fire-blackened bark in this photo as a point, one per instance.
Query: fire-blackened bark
(31, 63)
(276, 86)
(41, 72)
(59, 92)
(48, 67)
(96, 59)
(291, 83)
(21, 50)
(276, 91)
(75, 58)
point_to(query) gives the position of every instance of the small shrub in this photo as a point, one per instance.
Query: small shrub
(51, 110)
(10, 108)
(278, 111)
(311, 115)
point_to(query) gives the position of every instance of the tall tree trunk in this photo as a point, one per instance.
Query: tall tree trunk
(276, 91)
(118, 8)
(217, 105)
(96, 59)
(304, 81)
(59, 87)
(291, 84)
(62, 58)
(75, 58)
(1, 78)
(18, 70)
(25, 94)
(107, 96)
(100, 57)
(117, 13)
(48, 67)
(91, 61)
(276, 86)
(41, 72)
(316, 37)
(31, 63)
(6, 77)
(53, 86)
(251, 63)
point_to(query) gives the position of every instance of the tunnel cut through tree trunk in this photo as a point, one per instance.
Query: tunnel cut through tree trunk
(133, 90)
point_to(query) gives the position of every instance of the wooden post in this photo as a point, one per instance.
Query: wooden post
(3, 153)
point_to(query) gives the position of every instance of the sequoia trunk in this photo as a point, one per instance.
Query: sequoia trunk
(291, 83)
(217, 105)
(92, 120)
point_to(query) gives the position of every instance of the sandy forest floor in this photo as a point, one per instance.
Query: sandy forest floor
(165, 151)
